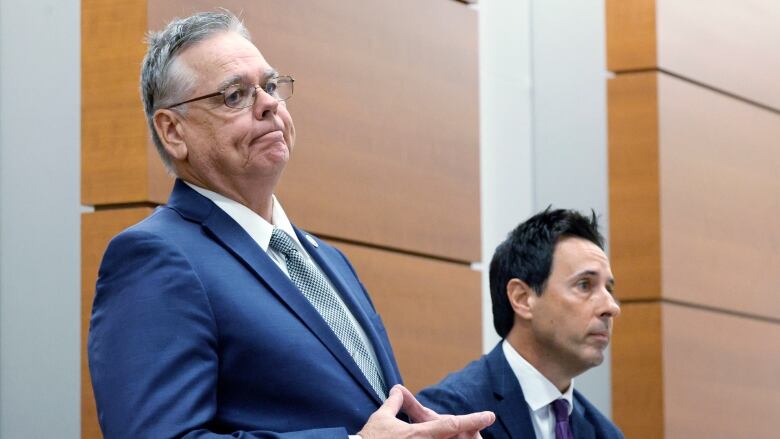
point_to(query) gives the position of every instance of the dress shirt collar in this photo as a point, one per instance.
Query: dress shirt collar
(256, 226)
(539, 392)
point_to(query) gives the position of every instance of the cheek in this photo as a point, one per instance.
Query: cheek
(289, 127)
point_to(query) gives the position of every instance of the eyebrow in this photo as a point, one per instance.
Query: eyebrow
(592, 273)
(235, 79)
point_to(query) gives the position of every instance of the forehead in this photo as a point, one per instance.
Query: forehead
(574, 255)
(224, 55)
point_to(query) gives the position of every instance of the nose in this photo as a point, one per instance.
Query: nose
(265, 105)
(611, 305)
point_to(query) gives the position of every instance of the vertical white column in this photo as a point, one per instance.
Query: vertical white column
(39, 219)
(570, 126)
(505, 130)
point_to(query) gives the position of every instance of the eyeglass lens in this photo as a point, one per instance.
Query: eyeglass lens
(244, 95)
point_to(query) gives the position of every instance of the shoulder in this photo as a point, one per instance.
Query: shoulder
(143, 240)
(605, 427)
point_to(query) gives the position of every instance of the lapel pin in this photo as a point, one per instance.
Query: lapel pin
(312, 241)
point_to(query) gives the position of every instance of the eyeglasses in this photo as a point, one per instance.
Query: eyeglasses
(244, 95)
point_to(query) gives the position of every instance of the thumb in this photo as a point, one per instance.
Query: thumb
(393, 403)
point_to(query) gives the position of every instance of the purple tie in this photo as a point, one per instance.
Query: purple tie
(561, 409)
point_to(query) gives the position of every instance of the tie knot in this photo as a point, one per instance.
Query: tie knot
(561, 410)
(281, 242)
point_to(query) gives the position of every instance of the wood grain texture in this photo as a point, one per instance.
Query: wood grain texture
(720, 200)
(118, 162)
(431, 310)
(638, 385)
(97, 229)
(631, 34)
(721, 375)
(634, 185)
(386, 111)
(731, 45)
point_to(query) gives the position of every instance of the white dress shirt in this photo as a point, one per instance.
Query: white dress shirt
(539, 392)
(260, 231)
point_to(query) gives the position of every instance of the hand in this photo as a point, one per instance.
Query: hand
(429, 425)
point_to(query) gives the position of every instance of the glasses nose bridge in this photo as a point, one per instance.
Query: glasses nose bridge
(256, 91)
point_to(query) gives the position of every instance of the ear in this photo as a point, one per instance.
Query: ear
(521, 297)
(170, 128)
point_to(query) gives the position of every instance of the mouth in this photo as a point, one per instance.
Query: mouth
(600, 336)
(270, 137)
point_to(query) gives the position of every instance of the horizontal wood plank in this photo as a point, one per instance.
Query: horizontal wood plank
(119, 165)
(731, 45)
(634, 185)
(720, 200)
(431, 310)
(638, 386)
(631, 34)
(721, 375)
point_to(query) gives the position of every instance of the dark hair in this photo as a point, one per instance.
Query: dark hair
(527, 254)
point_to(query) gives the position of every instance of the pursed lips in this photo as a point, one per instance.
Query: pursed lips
(600, 333)
(274, 131)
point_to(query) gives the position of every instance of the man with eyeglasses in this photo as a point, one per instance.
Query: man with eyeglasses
(215, 316)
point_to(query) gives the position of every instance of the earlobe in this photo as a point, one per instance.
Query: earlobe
(521, 297)
(171, 131)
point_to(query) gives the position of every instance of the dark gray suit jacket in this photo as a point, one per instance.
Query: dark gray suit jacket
(490, 384)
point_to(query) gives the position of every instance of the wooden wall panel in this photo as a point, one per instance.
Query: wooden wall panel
(638, 386)
(731, 45)
(431, 310)
(634, 185)
(97, 229)
(631, 34)
(682, 372)
(118, 162)
(720, 198)
(721, 375)
(706, 130)
(386, 110)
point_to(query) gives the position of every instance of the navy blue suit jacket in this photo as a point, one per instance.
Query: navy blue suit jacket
(197, 333)
(490, 384)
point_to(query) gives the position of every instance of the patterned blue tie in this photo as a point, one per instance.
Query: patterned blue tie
(561, 409)
(316, 288)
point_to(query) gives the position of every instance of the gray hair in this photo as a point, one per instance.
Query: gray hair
(165, 81)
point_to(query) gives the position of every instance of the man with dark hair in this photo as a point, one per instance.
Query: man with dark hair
(215, 316)
(551, 287)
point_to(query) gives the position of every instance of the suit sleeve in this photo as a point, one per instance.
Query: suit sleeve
(153, 345)
(445, 400)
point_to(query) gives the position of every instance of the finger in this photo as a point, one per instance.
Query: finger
(447, 426)
(393, 403)
(416, 411)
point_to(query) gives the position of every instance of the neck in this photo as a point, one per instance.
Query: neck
(547, 364)
(257, 196)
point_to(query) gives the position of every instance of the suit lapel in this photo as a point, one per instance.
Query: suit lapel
(358, 311)
(581, 428)
(230, 235)
(511, 408)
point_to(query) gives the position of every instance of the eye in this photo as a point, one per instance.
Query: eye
(583, 284)
(270, 87)
(236, 96)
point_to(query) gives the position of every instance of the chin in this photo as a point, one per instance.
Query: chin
(593, 358)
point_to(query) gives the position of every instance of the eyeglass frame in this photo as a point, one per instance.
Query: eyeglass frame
(275, 79)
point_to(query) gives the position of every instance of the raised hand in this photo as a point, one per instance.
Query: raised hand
(427, 423)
